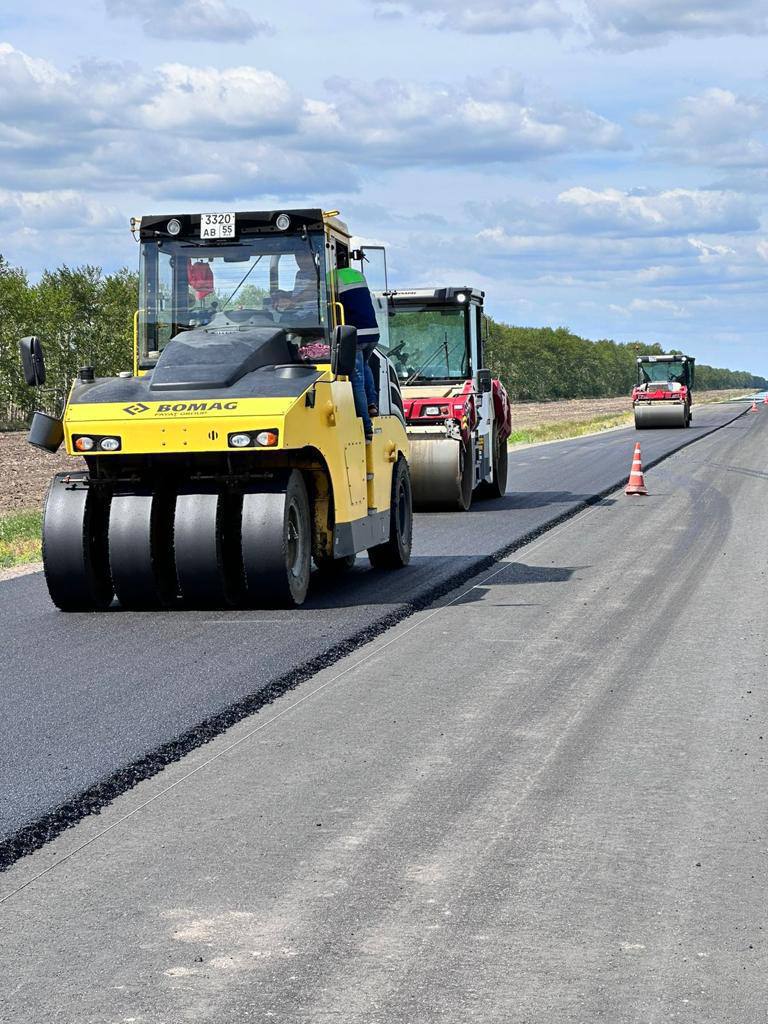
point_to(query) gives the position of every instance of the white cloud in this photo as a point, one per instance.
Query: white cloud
(105, 125)
(482, 16)
(665, 307)
(670, 212)
(717, 128)
(610, 24)
(64, 209)
(708, 251)
(633, 24)
(615, 213)
(477, 122)
(201, 20)
(199, 99)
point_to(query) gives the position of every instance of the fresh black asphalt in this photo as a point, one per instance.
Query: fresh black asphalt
(91, 704)
(542, 799)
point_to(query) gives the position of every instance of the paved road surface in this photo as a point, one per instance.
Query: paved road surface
(544, 801)
(92, 703)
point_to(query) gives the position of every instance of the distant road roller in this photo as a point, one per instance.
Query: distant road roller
(663, 394)
(458, 416)
(231, 456)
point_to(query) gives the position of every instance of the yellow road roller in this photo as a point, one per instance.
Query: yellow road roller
(231, 456)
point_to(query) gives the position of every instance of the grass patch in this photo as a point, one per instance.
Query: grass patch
(20, 538)
(576, 428)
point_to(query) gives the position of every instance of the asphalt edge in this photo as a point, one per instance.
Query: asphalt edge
(43, 830)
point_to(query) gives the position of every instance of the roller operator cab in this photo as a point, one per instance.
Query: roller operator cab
(231, 456)
(663, 394)
(458, 416)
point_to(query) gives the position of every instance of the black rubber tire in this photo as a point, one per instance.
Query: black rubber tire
(276, 544)
(140, 549)
(75, 557)
(335, 566)
(467, 480)
(396, 552)
(497, 487)
(204, 534)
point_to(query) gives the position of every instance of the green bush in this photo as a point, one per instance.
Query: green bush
(82, 316)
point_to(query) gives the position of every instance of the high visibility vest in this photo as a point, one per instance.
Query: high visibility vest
(353, 293)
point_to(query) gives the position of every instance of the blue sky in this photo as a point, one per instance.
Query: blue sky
(599, 164)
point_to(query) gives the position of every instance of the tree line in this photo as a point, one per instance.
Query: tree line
(539, 364)
(85, 317)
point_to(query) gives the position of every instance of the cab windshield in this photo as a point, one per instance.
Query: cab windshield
(673, 370)
(429, 344)
(264, 281)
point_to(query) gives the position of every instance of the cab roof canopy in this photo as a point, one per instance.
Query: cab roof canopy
(251, 222)
(437, 296)
(674, 358)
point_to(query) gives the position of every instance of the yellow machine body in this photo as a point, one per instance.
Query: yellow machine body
(328, 425)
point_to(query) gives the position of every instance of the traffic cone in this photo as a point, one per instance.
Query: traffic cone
(765, 398)
(636, 483)
(754, 406)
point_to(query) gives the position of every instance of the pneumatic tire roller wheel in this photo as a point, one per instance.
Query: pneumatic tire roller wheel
(75, 556)
(276, 544)
(204, 543)
(395, 552)
(140, 549)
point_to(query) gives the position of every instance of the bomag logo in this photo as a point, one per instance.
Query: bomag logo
(193, 408)
(181, 408)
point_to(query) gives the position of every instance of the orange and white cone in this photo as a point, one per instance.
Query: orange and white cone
(765, 398)
(754, 406)
(636, 484)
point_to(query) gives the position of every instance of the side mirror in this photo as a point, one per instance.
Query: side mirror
(32, 361)
(484, 382)
(344, 350)
(46, 432)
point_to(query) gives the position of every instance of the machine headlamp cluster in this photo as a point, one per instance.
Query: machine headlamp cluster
(92, 443)
(283, 222)
(253, 439)
(174, 226)
(435, 410)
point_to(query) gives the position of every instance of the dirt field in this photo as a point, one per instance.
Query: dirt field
(535, 414)
(26, 471)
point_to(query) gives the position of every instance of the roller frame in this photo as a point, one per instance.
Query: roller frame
(75, 544)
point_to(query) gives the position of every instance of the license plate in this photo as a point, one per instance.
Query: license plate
(217, 225)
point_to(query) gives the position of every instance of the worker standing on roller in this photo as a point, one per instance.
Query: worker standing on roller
(353, 293)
